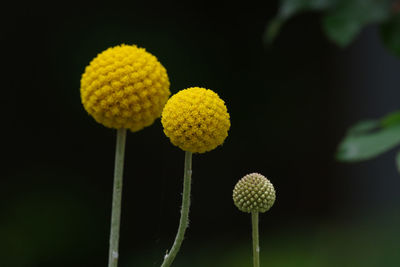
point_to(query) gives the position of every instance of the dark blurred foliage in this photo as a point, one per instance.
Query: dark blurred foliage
(342, 21)
(290, 105)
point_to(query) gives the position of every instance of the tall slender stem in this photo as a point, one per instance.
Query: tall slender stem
(117, 196)
(256, 248)
(184, 220)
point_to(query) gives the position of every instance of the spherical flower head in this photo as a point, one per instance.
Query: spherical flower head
(125, 87)
(196, 120)
(254, 193)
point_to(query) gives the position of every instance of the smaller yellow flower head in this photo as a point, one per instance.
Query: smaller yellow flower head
(125, 87)
(196, 120)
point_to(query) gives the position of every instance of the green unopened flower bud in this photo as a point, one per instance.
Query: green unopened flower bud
(254, 193)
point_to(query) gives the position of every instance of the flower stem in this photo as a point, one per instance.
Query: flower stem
(256, 248)
(184, 220)
(117, 195)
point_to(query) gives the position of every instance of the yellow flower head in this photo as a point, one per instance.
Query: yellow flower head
(125, 87)
(196, 120)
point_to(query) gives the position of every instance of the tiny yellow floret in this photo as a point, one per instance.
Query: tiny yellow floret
(125, 87)
(196, 120)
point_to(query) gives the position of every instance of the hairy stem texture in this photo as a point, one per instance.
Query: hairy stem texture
(184, 220)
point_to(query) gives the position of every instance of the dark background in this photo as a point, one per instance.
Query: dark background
(290, 105)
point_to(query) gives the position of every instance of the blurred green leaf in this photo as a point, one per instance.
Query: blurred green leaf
(287, 9)
(390, 33)
(363, 127)
(291, 7)
(368, 145)
(343, 23)
(398, 161)
(391, 119)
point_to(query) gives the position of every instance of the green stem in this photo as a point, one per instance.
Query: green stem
(117, 195)
(256, 248)
(183, 223)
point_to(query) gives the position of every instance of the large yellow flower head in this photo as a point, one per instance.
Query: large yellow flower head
(196, 120)
(125, 87)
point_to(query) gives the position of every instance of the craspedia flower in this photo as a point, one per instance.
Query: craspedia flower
(254, 193)
(125, 87)
(196, 120)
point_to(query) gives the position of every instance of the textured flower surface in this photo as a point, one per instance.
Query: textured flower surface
(254, 193)
(125, 87)
(196, 120)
